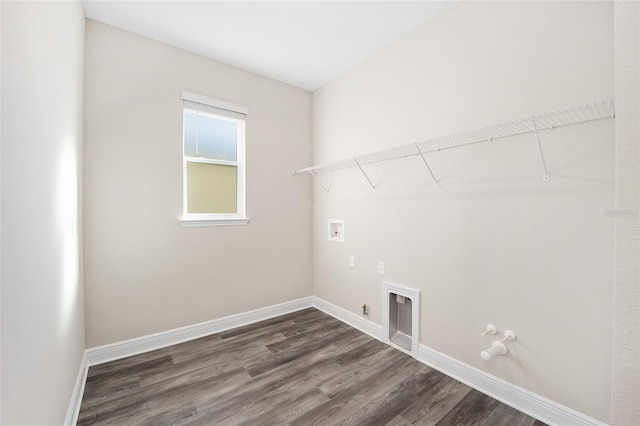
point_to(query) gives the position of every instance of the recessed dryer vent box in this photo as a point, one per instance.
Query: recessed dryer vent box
(401, 307)
(336, 230)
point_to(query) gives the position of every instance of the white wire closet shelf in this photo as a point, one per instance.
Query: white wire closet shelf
(534, 125)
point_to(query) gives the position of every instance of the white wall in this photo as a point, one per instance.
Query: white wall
(143, 272)
(494, 243)
(42, 295)
(626, 349)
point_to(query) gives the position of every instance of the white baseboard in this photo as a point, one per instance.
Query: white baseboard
(521, 399)
(369, 327)
(78, 390)
(126, 348)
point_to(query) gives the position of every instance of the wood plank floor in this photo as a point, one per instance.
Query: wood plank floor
(302, 368)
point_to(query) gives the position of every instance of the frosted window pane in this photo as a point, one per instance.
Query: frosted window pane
(190, 134)
(216, 137)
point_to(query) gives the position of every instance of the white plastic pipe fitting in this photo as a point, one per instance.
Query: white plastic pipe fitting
(497, 348)
(491, 329)
(508, 335)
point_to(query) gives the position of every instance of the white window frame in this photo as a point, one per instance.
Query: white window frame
(227, 111)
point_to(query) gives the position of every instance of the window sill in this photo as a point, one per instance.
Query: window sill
(194, 223)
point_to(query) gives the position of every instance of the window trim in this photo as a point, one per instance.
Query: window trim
(218, 219)
(212, 102)
(196, 223)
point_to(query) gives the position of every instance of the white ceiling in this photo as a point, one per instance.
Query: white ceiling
(302, 43)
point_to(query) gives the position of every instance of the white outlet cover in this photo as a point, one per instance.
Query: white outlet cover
(381, 267)
(352, 261)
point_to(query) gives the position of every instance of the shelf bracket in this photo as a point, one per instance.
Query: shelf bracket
(545, 176)
(435, 181)
(318, 180)
(363, 172)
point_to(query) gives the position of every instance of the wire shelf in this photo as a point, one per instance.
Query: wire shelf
(534, 125)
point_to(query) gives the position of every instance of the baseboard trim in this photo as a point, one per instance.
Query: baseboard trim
(126, 348)
(78, 390)
(366, 326)
(519, 398)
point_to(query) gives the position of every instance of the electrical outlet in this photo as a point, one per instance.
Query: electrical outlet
(381, 267)
(352, 261)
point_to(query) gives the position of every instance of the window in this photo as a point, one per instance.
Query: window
(213, 162)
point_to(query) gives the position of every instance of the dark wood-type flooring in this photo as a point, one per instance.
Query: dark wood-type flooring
(302, 368)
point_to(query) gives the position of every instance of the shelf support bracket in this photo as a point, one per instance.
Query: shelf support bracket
(313, 175)
(363, 172)
(545, 176)
(435, 181)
